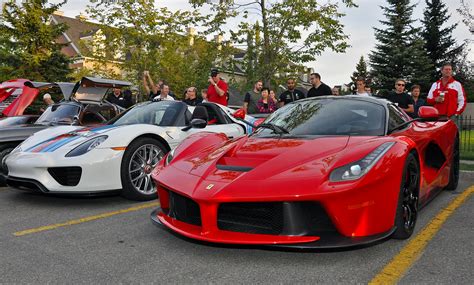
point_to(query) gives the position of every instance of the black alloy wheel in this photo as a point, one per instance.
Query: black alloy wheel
(407, 210)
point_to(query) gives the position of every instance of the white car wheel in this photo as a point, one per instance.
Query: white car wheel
(139, 160)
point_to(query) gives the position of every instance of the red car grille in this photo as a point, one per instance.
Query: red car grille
(275, 218)
(255, 218)
(184, 209)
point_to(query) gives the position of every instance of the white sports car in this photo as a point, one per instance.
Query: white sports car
(118, 156)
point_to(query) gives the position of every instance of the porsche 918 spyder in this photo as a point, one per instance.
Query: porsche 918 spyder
(116, 156)
(318, 173)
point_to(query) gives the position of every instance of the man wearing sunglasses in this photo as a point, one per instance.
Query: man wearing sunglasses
(401, 98)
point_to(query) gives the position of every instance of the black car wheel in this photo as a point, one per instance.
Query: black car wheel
(139, 160)
(4, 151)
(407, 209)
(454, 172)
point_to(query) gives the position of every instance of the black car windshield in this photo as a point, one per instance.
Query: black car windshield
(328, 117)
(162, 113)
(59, 114)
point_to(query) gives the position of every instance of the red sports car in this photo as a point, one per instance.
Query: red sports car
(319, 173)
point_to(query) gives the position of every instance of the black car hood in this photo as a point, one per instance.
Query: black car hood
(19, 133)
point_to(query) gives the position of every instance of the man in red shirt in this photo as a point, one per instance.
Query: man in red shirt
(217, 90)
(447, 95)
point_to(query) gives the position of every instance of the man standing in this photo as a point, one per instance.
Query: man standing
(401, 98)
(164, 94)
(217, 90)
(447, 95)
(252, 97)
(291, 94)
(117, 98)
(191, 98)
(360, 82)
(150, 87)
(319, 88)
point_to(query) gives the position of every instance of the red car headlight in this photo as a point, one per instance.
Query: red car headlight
(357, 169)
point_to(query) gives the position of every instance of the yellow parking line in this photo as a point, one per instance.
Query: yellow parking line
(399, 265)
(86, 219)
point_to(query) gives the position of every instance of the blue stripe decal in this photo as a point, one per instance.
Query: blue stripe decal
(59, 144)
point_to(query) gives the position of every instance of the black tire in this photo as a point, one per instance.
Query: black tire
(407, 207)
(135, 171)
(454, 172)
(5, 149)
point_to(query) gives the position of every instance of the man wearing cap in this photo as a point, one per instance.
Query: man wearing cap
(217, 90)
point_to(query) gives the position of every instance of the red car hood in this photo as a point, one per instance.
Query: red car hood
(255, 159)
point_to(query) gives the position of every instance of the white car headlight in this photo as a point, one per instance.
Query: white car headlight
(86, 146)
(357, 169)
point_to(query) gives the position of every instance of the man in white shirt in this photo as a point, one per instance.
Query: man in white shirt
(164, 94)
(360, 82)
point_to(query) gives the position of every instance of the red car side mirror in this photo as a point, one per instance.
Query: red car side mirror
(427, 112)
(239, 114)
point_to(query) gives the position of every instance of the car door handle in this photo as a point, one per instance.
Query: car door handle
(230, 137)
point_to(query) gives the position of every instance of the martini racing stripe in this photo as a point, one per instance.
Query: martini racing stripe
(45, 144)
(61, 140)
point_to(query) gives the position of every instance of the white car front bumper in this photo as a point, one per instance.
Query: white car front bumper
(54, 173)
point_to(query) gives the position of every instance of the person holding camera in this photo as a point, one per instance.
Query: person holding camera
(218, 88)
(447, 95)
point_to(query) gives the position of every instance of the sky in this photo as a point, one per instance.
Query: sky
(336, 68)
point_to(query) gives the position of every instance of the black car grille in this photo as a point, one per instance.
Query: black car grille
(256, 218)
(66, 176)
(275, 218)
(184, 209)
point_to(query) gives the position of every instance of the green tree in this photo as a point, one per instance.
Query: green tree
(361, 71)
(399, 51)
(28, 43)
(439, 41)
(468, 17)
(143, 37)
(293, 32)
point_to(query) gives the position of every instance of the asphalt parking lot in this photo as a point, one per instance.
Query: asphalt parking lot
(110, 240)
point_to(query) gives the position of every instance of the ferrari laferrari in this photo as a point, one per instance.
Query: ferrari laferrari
(322, 172)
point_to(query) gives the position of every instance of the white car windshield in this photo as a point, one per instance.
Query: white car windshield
(162, 113)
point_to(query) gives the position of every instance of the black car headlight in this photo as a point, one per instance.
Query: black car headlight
(357, 169)
(169, 157)
(86, 146)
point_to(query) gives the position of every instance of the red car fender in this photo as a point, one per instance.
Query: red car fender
(373, 209)
(199, 141)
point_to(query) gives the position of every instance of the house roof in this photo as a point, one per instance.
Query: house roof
(77, 29)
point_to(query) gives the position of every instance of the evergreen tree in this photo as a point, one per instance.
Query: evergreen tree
(28, 46)
(361, 71)
(399, 51)
(439, 41)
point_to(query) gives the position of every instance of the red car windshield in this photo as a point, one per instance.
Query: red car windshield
(328, 117)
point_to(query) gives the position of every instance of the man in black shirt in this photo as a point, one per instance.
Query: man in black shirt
(401, 98)
(319, 88)
(191, 97)
(118, 99)
(291, 94)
